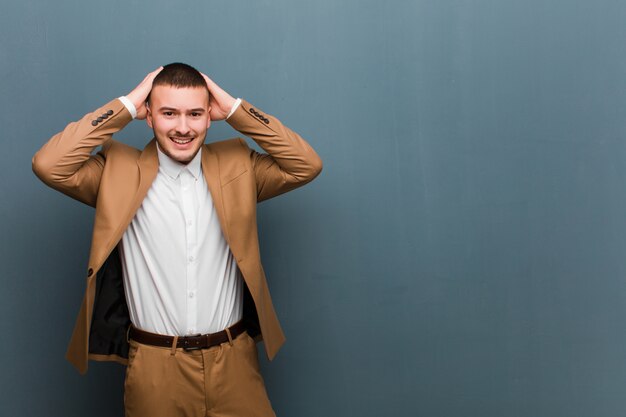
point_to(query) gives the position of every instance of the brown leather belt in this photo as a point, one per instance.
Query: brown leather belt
(199, 341)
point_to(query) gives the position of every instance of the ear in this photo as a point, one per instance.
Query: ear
(148, 115)
(208, 120)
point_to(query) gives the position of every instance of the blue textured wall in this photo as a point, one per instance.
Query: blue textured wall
(462, 254)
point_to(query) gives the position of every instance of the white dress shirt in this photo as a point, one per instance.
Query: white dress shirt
(180, 276)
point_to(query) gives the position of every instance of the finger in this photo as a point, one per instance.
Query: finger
(151, 75)
(146, 84)
(210, 83)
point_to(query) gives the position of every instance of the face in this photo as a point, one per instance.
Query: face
(179, 118)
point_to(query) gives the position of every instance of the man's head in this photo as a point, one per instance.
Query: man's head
(178, 111)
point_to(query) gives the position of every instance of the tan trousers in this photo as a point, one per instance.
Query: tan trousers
(222, 381)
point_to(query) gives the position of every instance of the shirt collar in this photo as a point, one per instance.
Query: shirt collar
(173, 168)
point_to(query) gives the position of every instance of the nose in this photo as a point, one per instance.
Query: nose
(182, 127)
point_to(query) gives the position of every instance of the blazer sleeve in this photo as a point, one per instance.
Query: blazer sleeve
(67, 163)
(290, 161)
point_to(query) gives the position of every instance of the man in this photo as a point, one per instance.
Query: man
(175, 286)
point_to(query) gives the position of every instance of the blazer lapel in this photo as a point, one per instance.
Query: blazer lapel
(148, 166)
(211, 172)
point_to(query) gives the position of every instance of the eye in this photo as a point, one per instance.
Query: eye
(168, 113)
(195, 114)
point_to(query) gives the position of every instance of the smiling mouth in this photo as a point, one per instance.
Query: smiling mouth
(181, 141)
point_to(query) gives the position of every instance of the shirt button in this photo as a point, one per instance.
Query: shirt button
(188, 222)
(190, 294)
(191, 258)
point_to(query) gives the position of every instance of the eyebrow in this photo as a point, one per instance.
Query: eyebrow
(165, 108)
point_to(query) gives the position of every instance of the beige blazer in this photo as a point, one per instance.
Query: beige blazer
(115, 181)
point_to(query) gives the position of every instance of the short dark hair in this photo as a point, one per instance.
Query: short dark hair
(179, 75)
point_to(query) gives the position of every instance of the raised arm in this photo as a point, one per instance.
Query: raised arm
(290, 161)
(66, 163)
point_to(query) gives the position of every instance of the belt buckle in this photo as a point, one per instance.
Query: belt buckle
(186, 346)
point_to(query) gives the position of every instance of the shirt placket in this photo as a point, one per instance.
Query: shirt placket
(189, 214)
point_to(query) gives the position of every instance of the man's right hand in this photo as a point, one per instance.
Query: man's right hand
(139, 95)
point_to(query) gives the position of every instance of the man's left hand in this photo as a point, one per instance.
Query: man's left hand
(220, 101)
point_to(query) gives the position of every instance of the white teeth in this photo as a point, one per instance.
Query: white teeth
(181, 141)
